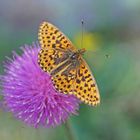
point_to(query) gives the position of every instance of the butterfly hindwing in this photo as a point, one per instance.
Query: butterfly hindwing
(48, 59)
(64, 80)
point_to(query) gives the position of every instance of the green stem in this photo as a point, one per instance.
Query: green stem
(69, 130)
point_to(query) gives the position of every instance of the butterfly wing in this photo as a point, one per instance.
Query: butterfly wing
(85, 87)
(47, 59)
(51, 37)
(54, 45)
(82, 84)
(64, 81)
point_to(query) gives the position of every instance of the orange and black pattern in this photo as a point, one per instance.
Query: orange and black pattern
(67, 78)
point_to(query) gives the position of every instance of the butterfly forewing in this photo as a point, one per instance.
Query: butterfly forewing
(54, 45)
(51, 37)
(82, 84)
(86, 88)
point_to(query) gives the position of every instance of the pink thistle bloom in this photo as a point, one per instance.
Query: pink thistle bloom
(29, 93)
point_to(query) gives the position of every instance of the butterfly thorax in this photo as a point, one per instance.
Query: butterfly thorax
(72, 61)
(77, 54)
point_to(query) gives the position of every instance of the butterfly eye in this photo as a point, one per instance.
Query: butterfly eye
(74, 56)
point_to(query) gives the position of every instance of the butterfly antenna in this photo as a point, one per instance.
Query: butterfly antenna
(82, 23)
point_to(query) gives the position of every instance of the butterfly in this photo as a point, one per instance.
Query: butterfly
(69, 71)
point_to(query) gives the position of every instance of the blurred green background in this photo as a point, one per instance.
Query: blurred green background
(111, 28)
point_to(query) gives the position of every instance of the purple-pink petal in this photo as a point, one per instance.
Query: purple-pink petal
(29, 93)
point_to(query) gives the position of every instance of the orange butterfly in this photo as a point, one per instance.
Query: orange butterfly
(69, 71)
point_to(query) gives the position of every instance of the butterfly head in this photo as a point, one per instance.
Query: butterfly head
(77, 54)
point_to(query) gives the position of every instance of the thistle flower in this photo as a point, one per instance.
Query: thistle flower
(29, 93)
